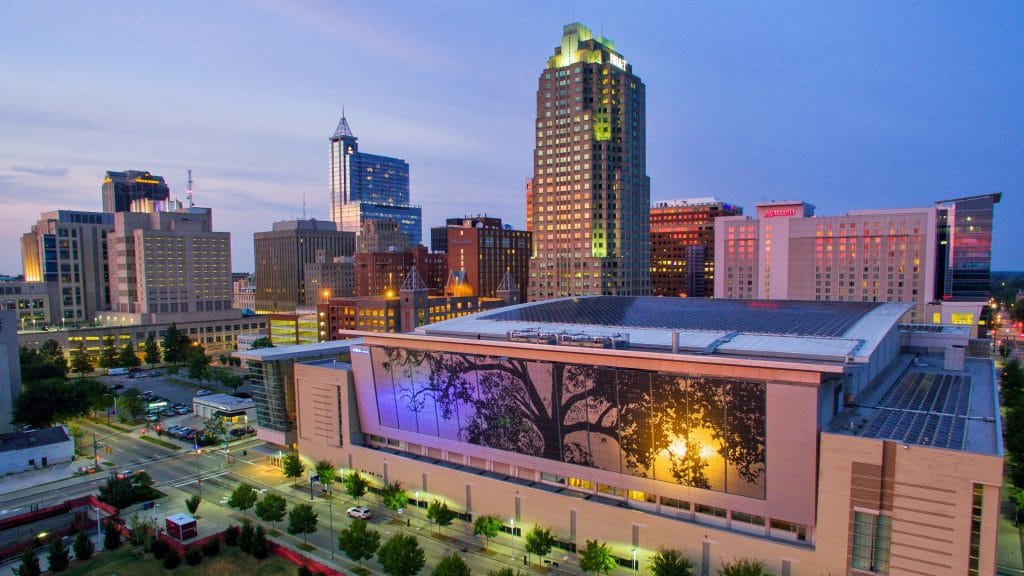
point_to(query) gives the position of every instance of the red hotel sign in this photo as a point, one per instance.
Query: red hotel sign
(773, 213)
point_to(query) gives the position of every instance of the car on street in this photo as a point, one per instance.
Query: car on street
(152, 417)
(359, 512)
(116, 387)
(203, 393)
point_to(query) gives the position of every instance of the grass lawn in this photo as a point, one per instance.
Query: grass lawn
(230, 561)
(159, 442)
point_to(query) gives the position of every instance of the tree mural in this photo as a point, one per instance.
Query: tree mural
(703, 432)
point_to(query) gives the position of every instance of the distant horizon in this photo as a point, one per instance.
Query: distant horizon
(846, 107)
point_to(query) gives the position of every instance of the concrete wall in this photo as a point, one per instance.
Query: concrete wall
(33, 457)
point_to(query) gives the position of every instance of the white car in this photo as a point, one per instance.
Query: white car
(203, 393)
(359, 512)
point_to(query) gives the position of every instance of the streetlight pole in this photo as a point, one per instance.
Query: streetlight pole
(513, 521)
(636, 567)
(330, 515)
(417, 501)
(99, 532)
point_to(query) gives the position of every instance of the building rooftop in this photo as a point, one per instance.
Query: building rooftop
(225, 402)
(822, 331)
(298, 351)
(21, 440)
(928, 406)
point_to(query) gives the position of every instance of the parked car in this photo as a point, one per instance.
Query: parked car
(203, 393)
(183, 410)
(157, 373)
(113, 387)
(169, 412)
(359, 512)
(152, 417)
(126, 474)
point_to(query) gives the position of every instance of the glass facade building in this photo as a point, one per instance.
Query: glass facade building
(965, 247)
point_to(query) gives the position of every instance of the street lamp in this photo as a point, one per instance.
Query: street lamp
(330, 515)
(417, 501)
(636, 567)
(513, 522)
(99, 532)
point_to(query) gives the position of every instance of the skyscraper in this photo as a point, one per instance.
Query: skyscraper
(589, 199)
(281, 256)
(965, 247)
(120, 189)
(369, 187)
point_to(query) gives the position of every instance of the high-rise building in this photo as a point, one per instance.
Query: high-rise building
(589, 198)
(485, 251)
(69, 248)
(121, 189)
(169, 265)
(281, 256)
(10, 368)
(965, 247)
(334, 279)
(683, 245)
(381, 236)
(369, 187)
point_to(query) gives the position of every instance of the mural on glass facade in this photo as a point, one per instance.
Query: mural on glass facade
(698, 431)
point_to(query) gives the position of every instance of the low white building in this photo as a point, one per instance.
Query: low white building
(21, 451)
(236, 410)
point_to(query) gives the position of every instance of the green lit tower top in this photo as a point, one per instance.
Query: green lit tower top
(588, 203)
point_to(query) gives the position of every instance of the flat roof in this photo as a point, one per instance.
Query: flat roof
(20, 440)
(225, 402)
(926, 405)
(297, 351)
(821, 331)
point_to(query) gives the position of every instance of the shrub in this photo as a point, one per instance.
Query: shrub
(260, 549)
(193, 556)
(303, 571)
(211, 548)
(245, 539)
(83, 546)
(160, 549)
(111, 536)
(231, 536)
(172, 560)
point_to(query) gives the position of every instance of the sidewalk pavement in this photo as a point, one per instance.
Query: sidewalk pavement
(1009, 558)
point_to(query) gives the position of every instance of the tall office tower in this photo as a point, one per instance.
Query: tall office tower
(121, 189)
(10, 368)
(485, 251)
(683, 245)
(369, 187)
(381, 236)
(281, 256)
(590, 198)
(965, 247)
(69, 248)
(169, 266)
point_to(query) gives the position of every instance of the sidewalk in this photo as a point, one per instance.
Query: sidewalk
(1009, 557)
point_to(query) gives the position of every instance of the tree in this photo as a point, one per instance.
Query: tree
(108, 354)
(243, 497)
(487, 526)
(128, 358)
(152, 350)
(176, 345)
(51, 351)
(193, 501)
(215, 428)
(742, 567)
(271, 508)
(451, 565)
(394, 496)
(596, 558)
(246, 536)
(355, 484)
(401, 555)
(358, 541)
(292, 466)
(670, 562)
(83, 546)
(226, 377)
(1012, 384)
(259, 543)
(80, 361)
(538, 541)
(45, 402)
(263, 342)
(302, 520)
(199, 365)
(111, 536)
(29, 563)
(46, 362)
(132, 405)
(440, 514)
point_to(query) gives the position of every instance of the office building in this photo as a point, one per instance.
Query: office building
(122, 189)
(965, 241)
(169, 266)
(369, 187)
(32, 302)
(485, 251)
(381, 236)
(69, 248)
(10, 368)
(589, 199)
(382, 273)
(330, 279)
(281, 257)
(683, 245)
(243, 291)
(816, 437)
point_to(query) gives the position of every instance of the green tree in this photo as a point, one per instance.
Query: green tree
(451, 565)
(272, 508)
(29, 563)
(596, 558)
(215, 428)
(226, 377)
(359, 542)
(259, 543)
(355, 484)
(263, 342)
(51, 351)
(242, 498)
(111, 536)
(80, 361)
(152, 350)
(43, 403)
(538, 541)
(401, 555)
(292, 466)
(108, 354)
(199, 365)
(302, 519)
(742, 567)
(670, 562)
(327, 472)
(394, 496)
(176, 345)
(1012, 384)
(487, 526)
(83, 546)
(47, 362)
(440, 514)
(127, 357)
(58, 555)
(131, 404)
(192, 503)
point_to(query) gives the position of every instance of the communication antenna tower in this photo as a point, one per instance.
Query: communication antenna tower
(191, 200)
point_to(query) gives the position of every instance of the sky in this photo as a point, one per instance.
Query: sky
(848, 106)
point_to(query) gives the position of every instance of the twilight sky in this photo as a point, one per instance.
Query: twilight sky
(848, 106)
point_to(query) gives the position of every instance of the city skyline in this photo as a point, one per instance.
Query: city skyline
(844, 108)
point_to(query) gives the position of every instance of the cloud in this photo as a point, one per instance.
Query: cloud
(53, 171)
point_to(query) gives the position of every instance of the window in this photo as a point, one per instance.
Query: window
(976, 508)
(871, 538)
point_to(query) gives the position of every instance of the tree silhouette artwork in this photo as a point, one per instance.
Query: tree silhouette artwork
(699, 431)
